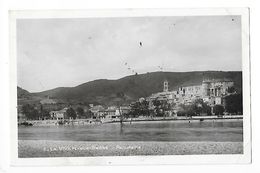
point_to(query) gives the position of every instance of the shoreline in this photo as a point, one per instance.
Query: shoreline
(50, 148)
(136, 120)
(181, 119)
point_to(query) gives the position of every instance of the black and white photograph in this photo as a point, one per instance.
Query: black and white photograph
(145, 84)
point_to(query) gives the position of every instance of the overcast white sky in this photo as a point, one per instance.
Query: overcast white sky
(68, 52)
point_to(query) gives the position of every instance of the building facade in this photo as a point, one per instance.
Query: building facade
(59, 115)
(211, 91)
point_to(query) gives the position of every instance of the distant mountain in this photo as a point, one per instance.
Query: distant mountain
(130, 88)
(22, 93)
(25, 97)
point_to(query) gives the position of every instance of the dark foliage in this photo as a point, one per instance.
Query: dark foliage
(161, 107)
(45, 114)
(198, 107)
(30, 112)
(234, 103)
(25, 124)
(71, 113)
(218, 110)
(231, 89)
(139, 108)
(80, 112)
(201, 107)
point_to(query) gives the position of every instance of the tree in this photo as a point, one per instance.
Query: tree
(144, 108)
(71, 113)
(186, 110)
(45, 114)
(234, 103)
(161, 107)
(200, 107)
(231, 89)
(218, 109)
(121, 97)
(30, 112)
(80, 112)
(135, 109)
(157, 107)
(89, 114)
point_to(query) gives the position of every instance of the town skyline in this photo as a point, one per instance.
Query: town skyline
(68, 52)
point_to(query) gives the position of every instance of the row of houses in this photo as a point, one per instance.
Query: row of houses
(97, 112)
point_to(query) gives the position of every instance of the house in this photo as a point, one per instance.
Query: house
(123, 110)
(98, 111)
(111, 113)
(59, 115)
(115, 112)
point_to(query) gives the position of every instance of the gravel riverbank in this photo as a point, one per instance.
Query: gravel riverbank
(49, 148)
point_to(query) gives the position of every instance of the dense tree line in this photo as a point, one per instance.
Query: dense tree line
(234, 104)
(71, 114)
(161, 107)
(139, 108)
(32, 112)
(36, 112)
(198, 107)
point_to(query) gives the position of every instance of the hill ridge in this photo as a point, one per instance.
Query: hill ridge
(106, 91)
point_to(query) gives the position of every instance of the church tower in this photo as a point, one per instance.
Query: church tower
(165, 86)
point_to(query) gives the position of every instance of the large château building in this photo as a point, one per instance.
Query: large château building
(211, 91)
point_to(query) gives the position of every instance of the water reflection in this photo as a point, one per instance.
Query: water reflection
(121, 129)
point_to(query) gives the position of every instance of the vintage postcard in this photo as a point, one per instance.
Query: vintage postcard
(135, 86)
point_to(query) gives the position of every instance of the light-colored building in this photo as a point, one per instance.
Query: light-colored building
(115, 112)
(122, 110)
(211, 91)
(59, 115)
(111, 113)
(98, 111)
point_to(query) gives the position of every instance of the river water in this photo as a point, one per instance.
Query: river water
(221, 131)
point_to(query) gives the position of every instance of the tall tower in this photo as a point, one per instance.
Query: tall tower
(165, 86)
(205, 88)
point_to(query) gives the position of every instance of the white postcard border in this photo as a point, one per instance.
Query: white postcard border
(132, 160)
